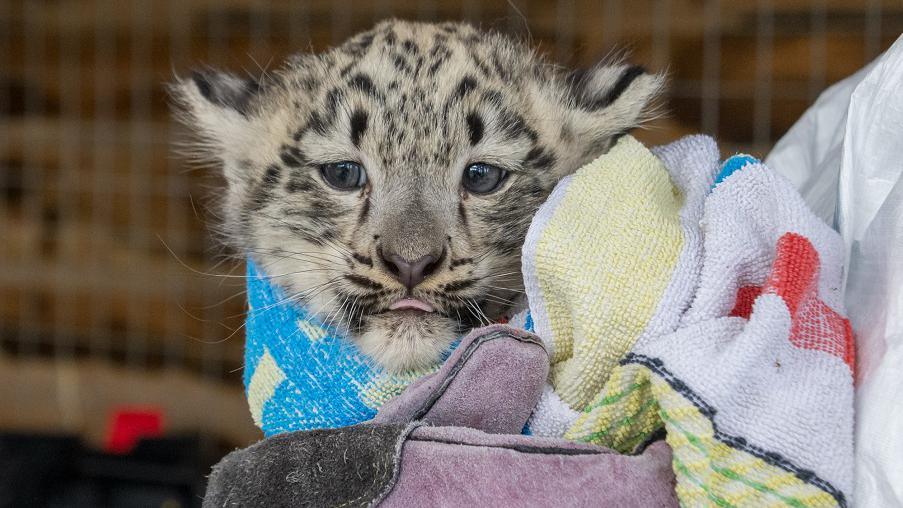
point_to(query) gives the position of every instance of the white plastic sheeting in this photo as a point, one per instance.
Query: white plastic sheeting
(845, 155)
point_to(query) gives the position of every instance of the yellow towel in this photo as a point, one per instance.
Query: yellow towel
(602, 264)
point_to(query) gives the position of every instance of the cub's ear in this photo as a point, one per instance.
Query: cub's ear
(216, 106)
(225, 90)
(609, 99)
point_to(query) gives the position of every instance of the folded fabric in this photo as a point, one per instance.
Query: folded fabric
(674, 295)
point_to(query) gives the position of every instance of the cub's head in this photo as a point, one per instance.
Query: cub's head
(388, 184)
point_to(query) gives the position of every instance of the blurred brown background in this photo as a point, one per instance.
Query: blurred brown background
(110, 280)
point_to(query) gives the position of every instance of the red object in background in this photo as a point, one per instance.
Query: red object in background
(130, 425)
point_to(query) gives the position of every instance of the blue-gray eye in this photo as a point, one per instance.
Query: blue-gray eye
(482, 178)
(345, 175)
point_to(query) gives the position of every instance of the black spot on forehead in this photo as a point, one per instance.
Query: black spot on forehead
(439, 44)
(271, 177)
(358, 126)
(359, 45)
(439, 54)
(477, 59)
(390, 37)
(468, 83)
(501, 70)
(332, 100)
(402, 65)
(474, 128)
(363, 83)
(513, 125)
(317, 124)
(409, 46)
(493, 97)
(347, 68)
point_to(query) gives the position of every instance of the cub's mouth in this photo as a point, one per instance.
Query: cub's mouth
(467, 313)
(411, 304)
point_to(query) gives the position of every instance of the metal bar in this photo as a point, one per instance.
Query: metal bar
(259, 38)
(340, 21)
(818, 49)
(299, 27)
(872, 29)
(101, 223)
(177, 190)
(711, 67)
(210, 352)
(518, 17)
(564, 42)
(53, 276)
(34, 176)
(764, 51)
(70, 148)
(612, 16)
(472, 10)
(139, 173)
(6, 43)
(426, 10)
(661, 37)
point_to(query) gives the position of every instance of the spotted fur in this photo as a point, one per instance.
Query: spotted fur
(415, 104)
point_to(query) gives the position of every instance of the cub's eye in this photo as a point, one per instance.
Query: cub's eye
(345, 175)
(482, 178)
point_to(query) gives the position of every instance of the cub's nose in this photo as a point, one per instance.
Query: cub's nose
(410, 273)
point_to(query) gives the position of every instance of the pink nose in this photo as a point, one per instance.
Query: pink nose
(410, 273)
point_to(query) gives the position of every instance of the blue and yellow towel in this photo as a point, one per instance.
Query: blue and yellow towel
(301, 375)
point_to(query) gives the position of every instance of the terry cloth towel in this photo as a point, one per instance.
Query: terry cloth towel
(675, 293)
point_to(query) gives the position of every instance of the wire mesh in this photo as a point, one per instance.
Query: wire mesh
(106, 252)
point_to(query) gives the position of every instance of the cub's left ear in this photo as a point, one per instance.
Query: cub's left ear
(610, 99)
(216, 106)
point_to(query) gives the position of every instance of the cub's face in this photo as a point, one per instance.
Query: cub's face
(388, 184)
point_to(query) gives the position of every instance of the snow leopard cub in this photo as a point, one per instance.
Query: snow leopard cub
(388, 184)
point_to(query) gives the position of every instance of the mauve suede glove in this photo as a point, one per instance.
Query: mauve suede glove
(491, 382)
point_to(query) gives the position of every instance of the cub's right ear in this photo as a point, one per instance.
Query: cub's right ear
(216, 106)
(225, 90)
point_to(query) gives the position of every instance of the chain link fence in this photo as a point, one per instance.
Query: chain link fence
(108, 267)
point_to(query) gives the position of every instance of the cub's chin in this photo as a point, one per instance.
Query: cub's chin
(404, 340)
